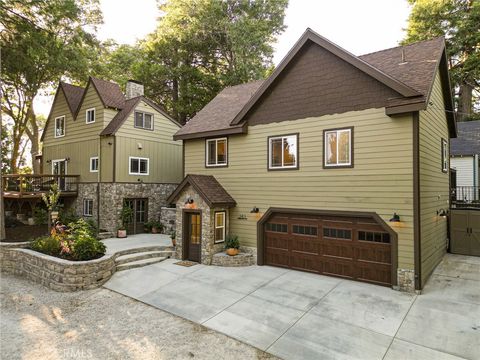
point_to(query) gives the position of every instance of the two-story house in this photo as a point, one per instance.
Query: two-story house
(121, 147)
(336, 164)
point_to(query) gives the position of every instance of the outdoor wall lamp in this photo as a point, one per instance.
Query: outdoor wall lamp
(442, 213)
(395, 218)
(49, 161)
(67, 159)
(189, 200)
(255, 210)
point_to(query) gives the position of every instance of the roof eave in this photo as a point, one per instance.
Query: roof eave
(406, 108)
(242, 129)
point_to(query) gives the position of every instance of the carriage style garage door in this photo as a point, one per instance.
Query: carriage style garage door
(349, 247)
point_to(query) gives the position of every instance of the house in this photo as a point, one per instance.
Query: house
(465, 160)
(120, 147)
(335, 164)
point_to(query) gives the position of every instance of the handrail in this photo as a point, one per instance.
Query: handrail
(38, 183)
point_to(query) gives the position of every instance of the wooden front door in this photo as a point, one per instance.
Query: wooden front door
(193, 236)
(140, 215)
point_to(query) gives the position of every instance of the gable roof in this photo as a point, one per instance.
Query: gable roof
(208, 188)
(468, 139)
(411, 76)
(73, 94)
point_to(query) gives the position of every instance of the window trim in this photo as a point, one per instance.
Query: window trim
(55, 127)
(98, 164)
(216, 165)
(84, 208)
(338, 166)
(297, 157)
(60, 160)
(94, 116)
(138, 158)
(445, 155)
(143, 117)
(224, 226)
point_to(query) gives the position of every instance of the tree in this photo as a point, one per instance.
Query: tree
(42, 41)
(200, 47)
(459, 22)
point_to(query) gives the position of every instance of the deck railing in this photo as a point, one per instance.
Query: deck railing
(30, 184)
(465, 196)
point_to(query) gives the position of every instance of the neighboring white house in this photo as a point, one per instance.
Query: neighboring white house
(465, 159)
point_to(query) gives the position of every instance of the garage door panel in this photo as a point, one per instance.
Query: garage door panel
(305, 245)
(277, 241)
(338, 267)
(277, 257)
(379, 253)
(378, 274)
(338, 248)
(306, 262)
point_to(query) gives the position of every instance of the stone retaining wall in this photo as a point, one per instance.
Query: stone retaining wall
(167, 218)
(54, 273)
(242, 259)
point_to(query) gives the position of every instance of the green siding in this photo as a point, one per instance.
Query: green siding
(107, 145)
(434, 184)
(381, 180)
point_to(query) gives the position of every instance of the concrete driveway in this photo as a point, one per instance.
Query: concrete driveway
(296, 315)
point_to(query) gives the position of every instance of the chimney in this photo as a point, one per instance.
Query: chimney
(134, 88)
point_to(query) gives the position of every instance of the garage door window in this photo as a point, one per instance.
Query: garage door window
(304, 230)
(342, 234)
(374, 236)
(277, 227)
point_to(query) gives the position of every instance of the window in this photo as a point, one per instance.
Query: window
(94, 164)
(374, 236)
(304, 230)
(216, 152)
(87, 207)
(59, 126)
(338, 148)
(143, 120)
(138, 166)
(277, 227)
(444, 155)
(341, 234)
(90, 116)
(283, 152)
(220, 226)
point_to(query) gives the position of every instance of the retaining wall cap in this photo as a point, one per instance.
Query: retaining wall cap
(64, 261)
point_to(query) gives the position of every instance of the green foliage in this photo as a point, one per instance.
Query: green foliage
(125, 217)
(231, 242)
(67, 216)
(47, 245)
(88, 248)
(173, 235)
(40, 216)
(5, 145)
(154, 224)
(51, 199)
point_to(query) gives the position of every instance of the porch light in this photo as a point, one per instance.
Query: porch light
(189, 200)
(442, 213)
(255, 210)
(395, 218)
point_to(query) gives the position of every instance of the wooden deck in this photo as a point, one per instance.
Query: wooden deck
(31, 186)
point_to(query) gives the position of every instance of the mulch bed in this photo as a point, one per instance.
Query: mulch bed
(24, 232)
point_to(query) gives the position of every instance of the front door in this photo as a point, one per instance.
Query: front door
(59, 167)
(140, 215)
(193, 238)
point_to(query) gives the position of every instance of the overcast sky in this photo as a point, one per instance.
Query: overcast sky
(358, 26)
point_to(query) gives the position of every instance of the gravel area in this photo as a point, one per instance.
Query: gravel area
(37, 323)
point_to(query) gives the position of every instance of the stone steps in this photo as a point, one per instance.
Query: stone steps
(142, 256)
(120, 260)
(140, 263)
(145, 249)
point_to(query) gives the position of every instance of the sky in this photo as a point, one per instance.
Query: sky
(359, 26)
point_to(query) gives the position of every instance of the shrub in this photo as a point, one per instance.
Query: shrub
(87, 247)
(231, 242)
(68, 216)
(49, 245)
(40, 216)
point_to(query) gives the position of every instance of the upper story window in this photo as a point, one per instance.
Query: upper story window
(138, 166)
(444, 155)
(94, 164)
(338, 148)
(90, 116)
(59, 126)
(283, 152)
(143, 120)
(216, 152)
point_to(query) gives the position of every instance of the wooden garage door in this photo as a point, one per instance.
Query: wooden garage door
(352, 248)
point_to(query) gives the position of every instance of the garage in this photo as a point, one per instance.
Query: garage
(355, 246)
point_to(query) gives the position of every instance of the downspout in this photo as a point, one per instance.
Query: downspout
(100, 162)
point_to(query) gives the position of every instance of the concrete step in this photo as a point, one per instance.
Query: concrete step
(145, 249)
(128, 258)
(140, 263)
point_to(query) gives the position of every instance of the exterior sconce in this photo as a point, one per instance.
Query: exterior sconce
(49, 161)
(189, 200)
(442, 213)
(395, 218)
(255, 210)
(139, 146)
(67, 159)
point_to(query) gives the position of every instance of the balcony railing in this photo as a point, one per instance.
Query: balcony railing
(29, 185)
(465, 197)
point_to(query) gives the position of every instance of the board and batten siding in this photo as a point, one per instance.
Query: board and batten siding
(434, 184)
(381, 180)
(165, 154)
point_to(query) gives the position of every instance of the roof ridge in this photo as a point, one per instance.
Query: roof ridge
(400, 46)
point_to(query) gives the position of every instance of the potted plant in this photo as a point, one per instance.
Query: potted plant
(51, 201)
(232, 244)
(156, 226)
(173, 236)
(147, 227)
(125, 217)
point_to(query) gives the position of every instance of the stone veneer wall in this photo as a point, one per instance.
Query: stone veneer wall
(111, 200)
(167, 218)
(56, 274)
(405, 280)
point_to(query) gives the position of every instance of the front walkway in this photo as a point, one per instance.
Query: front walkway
(297, 315)
(115, 245)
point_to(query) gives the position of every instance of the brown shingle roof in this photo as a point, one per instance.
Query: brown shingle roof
(208, 188)
(109, 92)
(73, 94)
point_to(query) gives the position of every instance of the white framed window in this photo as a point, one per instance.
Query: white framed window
(90, 116)
(87, 207)
(283, 152)
(338, 148)
(216, 152)
(59, 130)
(444, 155)
(220, 226)
(143, 120)
(138, 166)
(94, 164)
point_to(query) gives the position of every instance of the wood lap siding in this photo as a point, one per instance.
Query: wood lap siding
(381, 180)
(433, 182)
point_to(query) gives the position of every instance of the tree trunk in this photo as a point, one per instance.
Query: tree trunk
(464, 102)
(175, 99)
(34, 136)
